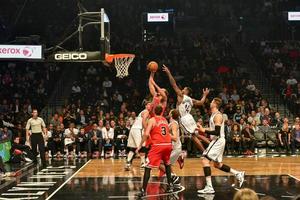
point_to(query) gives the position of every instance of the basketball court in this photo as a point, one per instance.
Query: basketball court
(106, 179)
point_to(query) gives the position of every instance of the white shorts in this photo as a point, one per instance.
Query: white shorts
(188, 124)
(175, 155)
(215, 150)
(134, 138)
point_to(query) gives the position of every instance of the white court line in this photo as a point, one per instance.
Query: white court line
(293, 177)
(62, 185)
(285, 196)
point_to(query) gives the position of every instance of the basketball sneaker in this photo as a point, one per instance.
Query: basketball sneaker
(170, 188)
(207, 190)
(180, 161)
(240, 177)
(175, 180)
(141, 194)
(127, 166)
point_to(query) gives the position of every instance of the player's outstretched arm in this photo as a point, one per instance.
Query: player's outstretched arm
(172, 81)
(151, 86)
(202, 100)
(161, 91)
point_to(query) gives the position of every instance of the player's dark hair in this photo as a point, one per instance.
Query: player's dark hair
(190, 90)
(218, 102)
(174, 114)
(158, 110)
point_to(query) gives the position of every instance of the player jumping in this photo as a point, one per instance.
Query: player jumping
(185, 104)
(160, 95)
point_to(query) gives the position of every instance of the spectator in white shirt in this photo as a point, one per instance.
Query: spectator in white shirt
(291, 81)
(108, 135)
(70, 135)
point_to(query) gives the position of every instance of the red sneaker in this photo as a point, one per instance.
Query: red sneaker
(180, 161)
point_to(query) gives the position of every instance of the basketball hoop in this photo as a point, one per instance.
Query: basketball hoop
(121, 61)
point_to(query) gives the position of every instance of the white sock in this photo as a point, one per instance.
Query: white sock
(143, 160)
(233, 171)
(208, 181)
(130, 156)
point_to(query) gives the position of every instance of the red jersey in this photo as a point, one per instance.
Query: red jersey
(155, 102)
(160, 132)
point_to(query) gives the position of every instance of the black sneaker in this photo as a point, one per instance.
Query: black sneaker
(141, 194)
(170, 188)
(175, 180)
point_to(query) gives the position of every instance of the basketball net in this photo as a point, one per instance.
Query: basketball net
(121, 62)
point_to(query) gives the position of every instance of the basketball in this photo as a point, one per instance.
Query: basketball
(152, 66)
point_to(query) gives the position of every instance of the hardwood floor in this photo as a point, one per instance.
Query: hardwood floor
(193, 167)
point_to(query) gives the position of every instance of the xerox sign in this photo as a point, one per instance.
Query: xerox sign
(157, 17)
(21, 52)
(294, 16)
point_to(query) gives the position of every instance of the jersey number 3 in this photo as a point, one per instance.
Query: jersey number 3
(163, 130)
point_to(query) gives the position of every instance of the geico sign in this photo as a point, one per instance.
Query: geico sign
(70, 56)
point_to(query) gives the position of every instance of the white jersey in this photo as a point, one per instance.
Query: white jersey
(187, 121)
(138, 122)
(212, 125)
(185, 106)
(177, 144)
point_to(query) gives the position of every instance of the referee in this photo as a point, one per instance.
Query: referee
(35, 136)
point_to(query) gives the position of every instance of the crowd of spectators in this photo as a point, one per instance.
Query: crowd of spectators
(101, 108)
(280, 62)
(24, 86)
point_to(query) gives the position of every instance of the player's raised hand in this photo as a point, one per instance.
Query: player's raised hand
(166, 69)
(205, 91)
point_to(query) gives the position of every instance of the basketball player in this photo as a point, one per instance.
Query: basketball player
(185, 104)
(135, 135)
(158, 130)
(160, 95)
(176, 144)
(215, 150)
